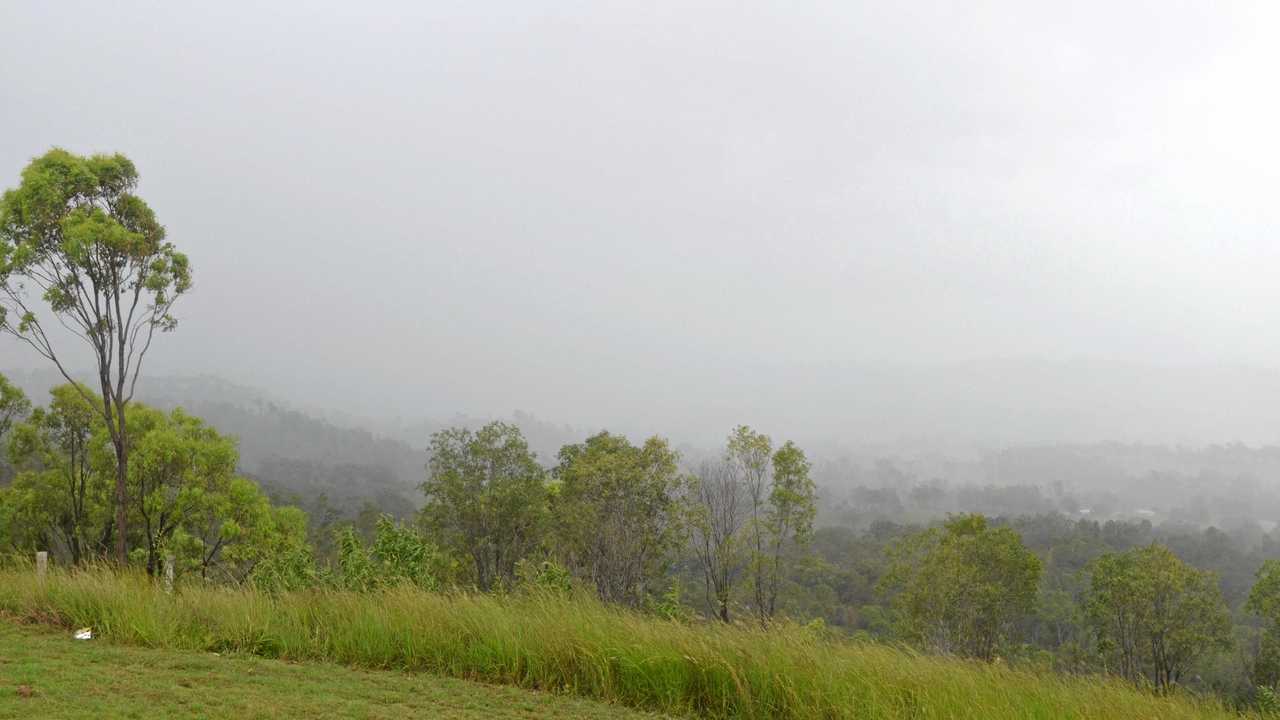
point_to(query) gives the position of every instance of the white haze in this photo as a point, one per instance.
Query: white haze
(846, 221)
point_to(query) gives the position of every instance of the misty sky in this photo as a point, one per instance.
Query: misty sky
(680, 215)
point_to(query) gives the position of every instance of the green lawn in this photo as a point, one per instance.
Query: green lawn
(48, 675)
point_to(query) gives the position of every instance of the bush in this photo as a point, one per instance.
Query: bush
(399, 555)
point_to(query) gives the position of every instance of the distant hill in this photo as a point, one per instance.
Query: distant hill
(303, 453)
(298, 455)
(291, 453)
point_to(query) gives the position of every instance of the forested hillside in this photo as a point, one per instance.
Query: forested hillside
(296, 456)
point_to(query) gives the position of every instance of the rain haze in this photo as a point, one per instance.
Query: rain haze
(804, 360)
(994, 222)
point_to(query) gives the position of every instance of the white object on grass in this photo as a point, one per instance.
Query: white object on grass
(84, 634)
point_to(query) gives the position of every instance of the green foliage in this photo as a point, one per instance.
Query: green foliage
(618, 523)
(751, 514)
(235, 530)
(1153, 614)
(186, 500)
(57, 501)
(963, 587)
(74, 231)
(670, 606)
(486, 500)
(1060, 627)
(398, 555)
(1264, 601)
(611, 517)
(355, 567)
(74, 226)
(1267, 703)
(13, 405)
(792, 509)
(573, 645)
(546, 576)
(290, 564)
(715, 519)
(748, 455)
(180, 476)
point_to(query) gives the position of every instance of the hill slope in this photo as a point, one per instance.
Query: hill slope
(579, 647)
(52, 676)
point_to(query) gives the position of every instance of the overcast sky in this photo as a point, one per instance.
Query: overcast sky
(678, 215)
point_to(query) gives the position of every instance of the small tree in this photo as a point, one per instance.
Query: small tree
(1154, 615)
(748, 457)
(486, 499)
(792, 509)
(74, 232)
(1264, 601)
(63, 493)
(963, 587)
(717, 505)
(182, 468)
(616, 517)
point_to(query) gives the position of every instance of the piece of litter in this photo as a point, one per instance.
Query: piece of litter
(84, 634)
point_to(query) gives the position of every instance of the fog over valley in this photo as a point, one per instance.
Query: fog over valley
(863, 228)
(585, 359)
(861, 224)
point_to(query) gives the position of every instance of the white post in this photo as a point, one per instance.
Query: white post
(42, 565)
(168, 573)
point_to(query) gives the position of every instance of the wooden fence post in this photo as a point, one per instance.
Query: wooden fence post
(42, 565)
(168, 573)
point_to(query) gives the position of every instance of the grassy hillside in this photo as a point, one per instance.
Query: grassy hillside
(52, 676)
(578, 647)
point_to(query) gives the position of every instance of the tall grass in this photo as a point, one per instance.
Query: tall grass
(577, 646)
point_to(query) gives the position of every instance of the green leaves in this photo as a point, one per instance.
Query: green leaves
(398, 555)
(59, 184)
(74, 232)
(486, 499)
(617, 520)
(1154, 614)
(61, 498)
(793, 496)
(962, 587)
(13, 405)
(1264, 598)
(1264, 601)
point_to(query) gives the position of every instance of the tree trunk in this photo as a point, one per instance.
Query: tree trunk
(113, 415)
(122, 472)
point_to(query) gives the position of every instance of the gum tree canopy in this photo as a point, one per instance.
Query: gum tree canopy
(75, 239)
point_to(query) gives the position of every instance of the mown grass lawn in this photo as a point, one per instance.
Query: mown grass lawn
(47, 674)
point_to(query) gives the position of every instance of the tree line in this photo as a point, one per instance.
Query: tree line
(614, 515)
(633, 526)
